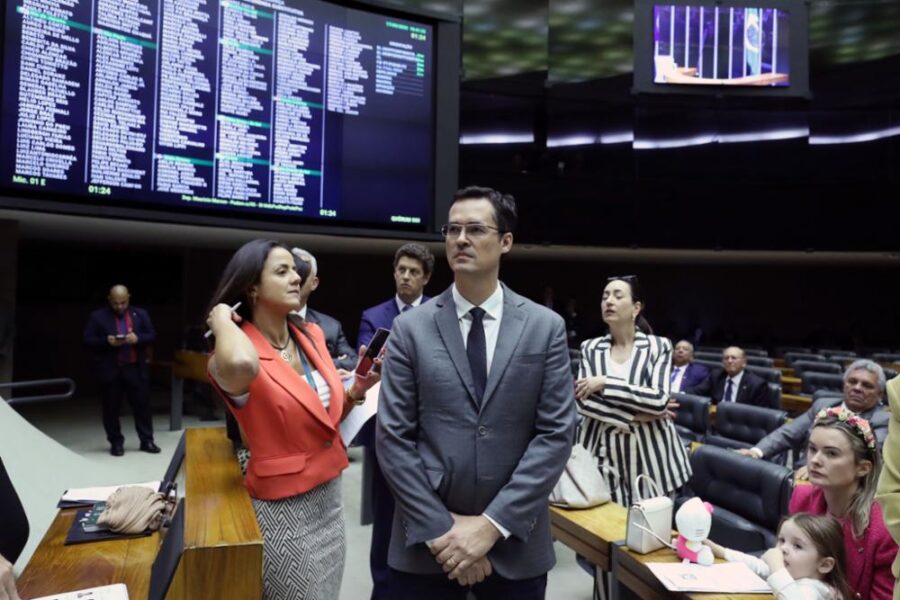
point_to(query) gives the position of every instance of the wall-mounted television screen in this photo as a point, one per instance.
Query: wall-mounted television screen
(291, 110)
(740, 47)
(699, 45)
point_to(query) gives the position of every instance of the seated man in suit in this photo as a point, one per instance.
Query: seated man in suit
(864, 384)
(733, 383)
(338, 347)
(413, 264)
(686, 374)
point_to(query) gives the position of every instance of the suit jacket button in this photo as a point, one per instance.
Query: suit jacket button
(482, 430)
(327, 444)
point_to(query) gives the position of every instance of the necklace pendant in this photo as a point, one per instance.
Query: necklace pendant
(286, 355)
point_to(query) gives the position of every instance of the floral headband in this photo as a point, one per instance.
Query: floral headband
(843, 415)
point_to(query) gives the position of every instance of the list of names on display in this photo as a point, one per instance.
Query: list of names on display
(243, 126)
(51, 76)
(296, 165)
(124, 55)
(183, 157)
(346, 93)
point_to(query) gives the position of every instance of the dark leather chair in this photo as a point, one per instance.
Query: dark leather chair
(886, 357)
(692, 417)
(771, 375)
(830, 353)
(806, 366)
(760, 361)
(782, 350)
(889, 373)
(791, 357)
(818, 381)
(743, 425)
(717, 350)
(749, 496)
(754, 352)
(575, 363)
(774, 395)
(710, 356)
(712, 365)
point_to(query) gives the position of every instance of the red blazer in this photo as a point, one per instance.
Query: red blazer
(294, 443)
(868, 559)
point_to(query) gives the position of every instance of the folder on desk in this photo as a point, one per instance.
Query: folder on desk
(77, 534)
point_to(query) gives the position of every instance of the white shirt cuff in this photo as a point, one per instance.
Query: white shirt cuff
(757, 452)
(503, 530)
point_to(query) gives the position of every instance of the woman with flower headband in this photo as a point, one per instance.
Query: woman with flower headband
(843, 470)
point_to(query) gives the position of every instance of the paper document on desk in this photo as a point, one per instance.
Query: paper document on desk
(722, 578)
(100, 494)
(106, 592)
(360, 415)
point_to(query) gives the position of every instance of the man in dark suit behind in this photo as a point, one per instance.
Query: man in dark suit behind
(734, 383)
(119, 335)
(476, 418)
(686, 374)
(413, 265)
(339, 348)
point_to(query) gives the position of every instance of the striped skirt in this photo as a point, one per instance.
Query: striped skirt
(303, 542)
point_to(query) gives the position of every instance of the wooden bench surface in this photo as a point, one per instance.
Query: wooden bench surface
(590, 531)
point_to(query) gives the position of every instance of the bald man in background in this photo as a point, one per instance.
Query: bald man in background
(118, 336)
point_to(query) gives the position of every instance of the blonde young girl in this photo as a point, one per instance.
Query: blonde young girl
(806, 564)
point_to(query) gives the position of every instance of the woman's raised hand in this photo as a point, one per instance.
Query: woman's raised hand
(589, 386)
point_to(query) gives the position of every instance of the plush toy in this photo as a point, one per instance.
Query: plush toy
(693, 521)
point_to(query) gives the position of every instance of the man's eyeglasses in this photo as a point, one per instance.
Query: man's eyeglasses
(472, 230)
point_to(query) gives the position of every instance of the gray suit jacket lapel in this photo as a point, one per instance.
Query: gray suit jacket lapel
(512, 325)
(448, 327)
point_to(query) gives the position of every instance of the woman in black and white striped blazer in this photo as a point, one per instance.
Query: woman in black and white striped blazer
(622, 394)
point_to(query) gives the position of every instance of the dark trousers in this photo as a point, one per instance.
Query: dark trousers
(382, 523)
(412, 586)
(132, 382)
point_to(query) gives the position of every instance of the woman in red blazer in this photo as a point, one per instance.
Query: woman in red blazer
(843, 470)
(281, 385)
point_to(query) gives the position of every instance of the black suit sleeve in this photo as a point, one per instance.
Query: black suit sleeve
(704, 388)
(758, 393)
(342, 347)
(95, 334)
(143, 328)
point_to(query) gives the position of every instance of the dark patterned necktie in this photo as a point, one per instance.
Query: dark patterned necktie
(476, 349)
(728, 390)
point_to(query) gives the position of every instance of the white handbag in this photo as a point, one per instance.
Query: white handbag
(581, 485)
(649, 519)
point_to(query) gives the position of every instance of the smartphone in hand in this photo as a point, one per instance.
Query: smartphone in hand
(374, 349)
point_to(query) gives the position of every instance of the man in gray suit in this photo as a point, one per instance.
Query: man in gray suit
(864, 384)
(475, 423)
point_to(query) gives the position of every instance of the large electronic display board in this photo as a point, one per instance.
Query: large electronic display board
(297, 110)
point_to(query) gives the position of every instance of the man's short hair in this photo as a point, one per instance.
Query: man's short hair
(868, 365)
(505, 212)
(419, 253)
(306, 256)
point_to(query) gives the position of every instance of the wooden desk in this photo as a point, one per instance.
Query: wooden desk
(55, 568)
(187, 365)
(591, 531)
(793, 403)
(631, 572)
(221, 554)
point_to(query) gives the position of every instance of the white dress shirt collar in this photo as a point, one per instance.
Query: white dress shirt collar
(493, 306)
(401, 303)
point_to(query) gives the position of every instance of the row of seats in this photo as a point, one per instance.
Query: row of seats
(879, 354)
